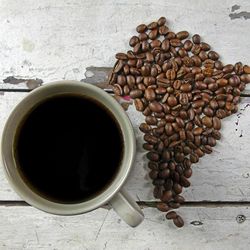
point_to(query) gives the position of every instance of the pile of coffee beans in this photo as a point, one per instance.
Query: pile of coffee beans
(184, 91)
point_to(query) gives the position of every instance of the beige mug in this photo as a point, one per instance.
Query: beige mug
(114, 194)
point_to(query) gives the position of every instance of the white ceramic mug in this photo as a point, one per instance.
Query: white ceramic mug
(114, 194)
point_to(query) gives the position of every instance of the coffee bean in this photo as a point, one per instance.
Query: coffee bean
(186, 87)
(188, 45)
(163, 207)
(216, 123)
(246, 69)
(147, 146)
(172, 101)
(245, 78)
(213, 55)
(155, 106)
(150, 139)
(198, 104)
(152, 156)
(166, 196)
(208, 111)
(177, 188)
(182, 35)
(153, 174)
(161, 21)
(141, 28)
(149, 94)
(234, 81)
(211, 141)
(158, 191)
(163, 30)
(152, 25)
(171, 215)
(179, 199)
(222, 82)
(207, 121)
(153, 34)
(166, 155)
(165, 173)
(151, 120)
(205, 46)
(220, 113)
(138, 104)
(228, 68)
(196, 39)
(178, 221)
(188, 173)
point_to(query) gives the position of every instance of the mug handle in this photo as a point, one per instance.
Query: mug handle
(125, 206)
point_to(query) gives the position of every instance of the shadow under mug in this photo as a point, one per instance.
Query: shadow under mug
(114, 194)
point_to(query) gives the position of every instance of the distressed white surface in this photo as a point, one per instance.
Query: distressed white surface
(59, 39)
(53, 40)
(221, 176)
(28, 228)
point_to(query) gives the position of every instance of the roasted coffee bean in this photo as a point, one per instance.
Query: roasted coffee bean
(166, 196)
(153, 165)
(194, 158)
(184, 181)
(165, 173)
(172, 101)
(150, 139)
(151, 120)
(211, 141)
(149, 94)
(177, 188)
(205, 46)
(155, 106)
(208, 111)
(136, 93)
(163, 30)
(163, 207)
(188, 45)
(182, 35)
(147, 146)
(141, 28)
(145, 128)
(161, 21)
(153, 34)
(153, 174)
(138, 104)
(220, 113)
(133, 41)
(228, 68)
(188, 173)
(152, 26)
(178, 221)
(174, 204)
(213, 55)
(234, 81)
(179, 199)
(207, 121)
(245, 78)
(196, 39)
(153, 156)
(246, 69)
(171, 215)
(158, 191)
(216, 123)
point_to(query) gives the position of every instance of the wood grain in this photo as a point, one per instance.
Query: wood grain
(205, 228)
(221, 176)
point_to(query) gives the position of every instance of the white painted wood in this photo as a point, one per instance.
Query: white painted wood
(223, 175)
(58, 40)
(28, 228)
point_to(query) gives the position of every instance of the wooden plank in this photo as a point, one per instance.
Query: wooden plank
(213, 228)
(59, 45)
(222, 176)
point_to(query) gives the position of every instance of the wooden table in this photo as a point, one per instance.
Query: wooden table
(42, 41)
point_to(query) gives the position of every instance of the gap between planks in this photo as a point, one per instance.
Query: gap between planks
(152, 204)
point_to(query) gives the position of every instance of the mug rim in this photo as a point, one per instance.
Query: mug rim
(9, 163)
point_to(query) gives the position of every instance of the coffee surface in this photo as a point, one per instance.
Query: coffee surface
(69, 148)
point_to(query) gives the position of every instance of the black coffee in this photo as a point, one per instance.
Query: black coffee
(69, 148)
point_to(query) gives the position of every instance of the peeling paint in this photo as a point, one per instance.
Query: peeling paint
(31, 83)
(235, 7)
(242, 14)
